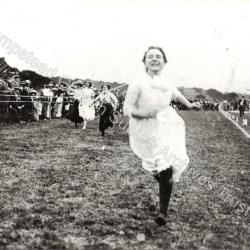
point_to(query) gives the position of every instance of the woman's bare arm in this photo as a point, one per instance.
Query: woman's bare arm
(182, 99)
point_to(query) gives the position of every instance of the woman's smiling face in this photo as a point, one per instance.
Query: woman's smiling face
(154, 60)
(105, 88)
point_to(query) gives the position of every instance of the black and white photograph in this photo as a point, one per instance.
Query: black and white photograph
(124, 124)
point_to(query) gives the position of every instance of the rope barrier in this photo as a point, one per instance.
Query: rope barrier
(70, 96)
(37, 96)
(30, 101)
(120, 87)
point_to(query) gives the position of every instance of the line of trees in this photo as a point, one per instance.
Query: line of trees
(216, 95)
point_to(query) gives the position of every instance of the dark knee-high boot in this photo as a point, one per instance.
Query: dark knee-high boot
(103, 132)
(165, 186)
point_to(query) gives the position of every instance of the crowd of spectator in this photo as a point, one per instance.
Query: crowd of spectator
(206, 105)
(19, 102)
(241, 105)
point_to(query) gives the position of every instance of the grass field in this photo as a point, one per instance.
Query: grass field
(60, 190)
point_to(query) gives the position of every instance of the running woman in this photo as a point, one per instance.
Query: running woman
(156, 131)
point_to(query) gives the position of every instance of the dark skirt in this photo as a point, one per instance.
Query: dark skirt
(73, 114)
(106, 117)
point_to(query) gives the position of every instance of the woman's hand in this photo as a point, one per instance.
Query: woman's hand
(196, 105)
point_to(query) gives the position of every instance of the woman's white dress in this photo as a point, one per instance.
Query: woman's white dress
(58, 107)
(86, 109)
(160, 141)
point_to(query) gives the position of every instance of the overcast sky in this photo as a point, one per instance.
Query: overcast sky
(207, 42)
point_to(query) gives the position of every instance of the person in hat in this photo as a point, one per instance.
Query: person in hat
(58, 105)
(77, 90)
(47, 95)
(25, 88)
(156, 131)
(28, 82)
(25, 102)
(14, 81)
(33, 92)
(14, 104)
(3, 87)
(108, 103)
(51, 84)
(73, 114)
(36, 105)
(86, 109)
(4, 99)
(242, 107)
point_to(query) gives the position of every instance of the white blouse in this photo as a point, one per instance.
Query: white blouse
(149, 94)
(78, 94)
(109, 98)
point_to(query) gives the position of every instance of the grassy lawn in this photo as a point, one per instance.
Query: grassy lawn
(60, 189)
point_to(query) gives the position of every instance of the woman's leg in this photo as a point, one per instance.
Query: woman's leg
(102, 122)
(103, 132)
(84, 124)
(101, 126)
(157, 177)
(165, 186)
